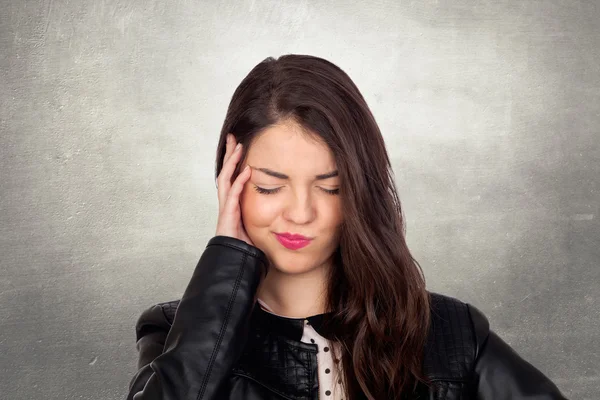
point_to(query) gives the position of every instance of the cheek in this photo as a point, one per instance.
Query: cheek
(334, 215)
(257, 210)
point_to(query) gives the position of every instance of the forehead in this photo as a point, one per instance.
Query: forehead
(287, 146)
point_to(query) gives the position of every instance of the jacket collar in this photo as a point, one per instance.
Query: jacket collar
(291, 328)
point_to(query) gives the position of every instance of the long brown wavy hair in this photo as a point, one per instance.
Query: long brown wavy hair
(376, 288)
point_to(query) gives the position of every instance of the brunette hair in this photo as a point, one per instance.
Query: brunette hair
(376, 288)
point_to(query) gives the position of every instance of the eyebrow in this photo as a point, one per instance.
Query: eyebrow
(279, 175)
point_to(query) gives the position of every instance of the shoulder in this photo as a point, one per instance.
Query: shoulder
(456, 335)
(152, 328)
(160, 315)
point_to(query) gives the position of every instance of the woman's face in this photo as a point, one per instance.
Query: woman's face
(295, 202)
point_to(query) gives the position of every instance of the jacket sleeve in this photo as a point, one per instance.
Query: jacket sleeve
(500, 373)
(190, 359)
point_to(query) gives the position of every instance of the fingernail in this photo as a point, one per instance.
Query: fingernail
(238, 146)
(246, 168)
(228, 139)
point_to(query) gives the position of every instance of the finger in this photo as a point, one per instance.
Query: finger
(227, 171)
(229, 146)
(224, 178)
(233, 197)
(228, 140)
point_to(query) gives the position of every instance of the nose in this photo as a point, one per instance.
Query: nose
(300, 208)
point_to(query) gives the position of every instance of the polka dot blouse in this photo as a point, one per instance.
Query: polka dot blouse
(329, 368)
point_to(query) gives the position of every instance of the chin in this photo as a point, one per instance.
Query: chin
(291, 264)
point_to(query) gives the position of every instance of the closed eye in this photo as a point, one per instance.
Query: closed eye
(331, 191)
(266, 191)
(275, 190)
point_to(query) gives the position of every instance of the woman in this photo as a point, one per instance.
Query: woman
(308, 289)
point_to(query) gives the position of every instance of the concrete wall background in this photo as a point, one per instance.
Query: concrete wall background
(109, 116)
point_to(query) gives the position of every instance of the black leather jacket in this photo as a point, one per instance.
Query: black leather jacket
(217, 343)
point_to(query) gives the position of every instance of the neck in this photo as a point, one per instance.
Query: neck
(297, 295)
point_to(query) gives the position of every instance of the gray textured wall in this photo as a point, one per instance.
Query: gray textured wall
(109, 116)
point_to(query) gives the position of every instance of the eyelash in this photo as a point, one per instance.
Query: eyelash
(273, 191)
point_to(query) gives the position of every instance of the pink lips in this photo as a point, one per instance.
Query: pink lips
(291, 241)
